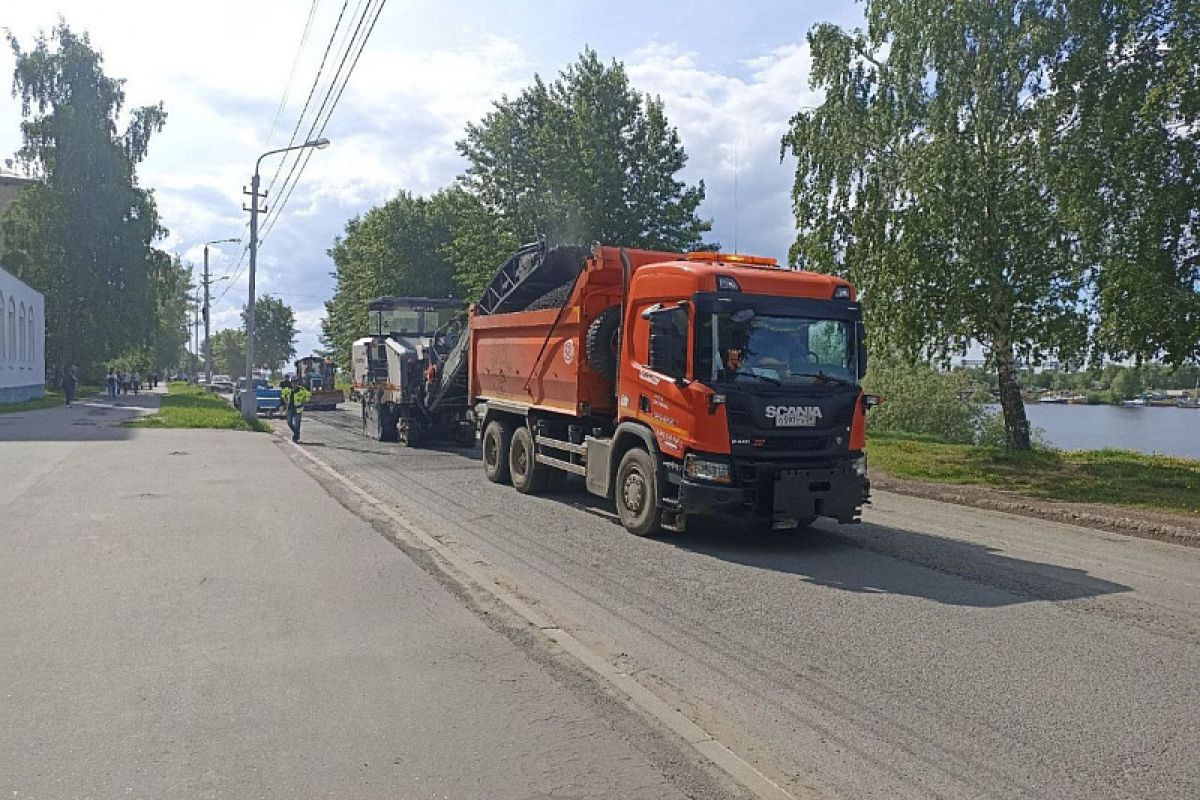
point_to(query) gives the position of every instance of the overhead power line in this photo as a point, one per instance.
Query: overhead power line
(311, 90)
(239, 268)
(287, 89)
(315, 132)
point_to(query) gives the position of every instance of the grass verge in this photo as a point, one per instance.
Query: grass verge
(52, 398)
(187, 406)
(1112, 477)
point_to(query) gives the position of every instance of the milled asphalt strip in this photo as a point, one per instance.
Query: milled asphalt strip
(638, 695)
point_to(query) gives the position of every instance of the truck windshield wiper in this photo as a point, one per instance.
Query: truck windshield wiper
(764, 378)
(822, 375)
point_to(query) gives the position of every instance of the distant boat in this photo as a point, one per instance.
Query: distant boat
(1058, 400)
(1140, 402)
(1193, 402)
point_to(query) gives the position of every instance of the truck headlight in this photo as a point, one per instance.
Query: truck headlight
(703, 469)
(859, 465)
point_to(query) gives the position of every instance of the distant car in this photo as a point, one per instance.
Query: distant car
(221, 383)
(267, 398)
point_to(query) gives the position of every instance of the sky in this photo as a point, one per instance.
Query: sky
(233, 77)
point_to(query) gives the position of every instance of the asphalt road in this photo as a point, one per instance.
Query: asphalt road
(185, 614)
(933, 651)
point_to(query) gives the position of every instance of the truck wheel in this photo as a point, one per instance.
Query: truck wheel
(497, 437)
(637, 493)
(603, 340)
(528, 476)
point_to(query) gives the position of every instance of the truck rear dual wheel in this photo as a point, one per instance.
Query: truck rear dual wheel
(637, 493)
(528, 476)
(497, 437)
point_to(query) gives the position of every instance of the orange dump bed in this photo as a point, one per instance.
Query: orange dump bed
(516, 358)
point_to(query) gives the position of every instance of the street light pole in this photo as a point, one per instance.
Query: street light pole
(207, 283)
(250, 410)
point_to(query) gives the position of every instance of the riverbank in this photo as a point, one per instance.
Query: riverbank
(1153, 496)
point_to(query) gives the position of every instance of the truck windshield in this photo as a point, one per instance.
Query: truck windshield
(784, 350)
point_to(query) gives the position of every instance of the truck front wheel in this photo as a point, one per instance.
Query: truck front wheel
(528, 476)
(497, 437)
(637, 493)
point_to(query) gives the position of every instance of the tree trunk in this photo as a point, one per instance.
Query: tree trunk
(1016, 424)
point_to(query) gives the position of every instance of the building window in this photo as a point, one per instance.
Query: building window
(12, 330)
(21, 336)
(3, 336)
(31, 338)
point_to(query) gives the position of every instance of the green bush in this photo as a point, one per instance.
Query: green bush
(918, 399)
(992, 434)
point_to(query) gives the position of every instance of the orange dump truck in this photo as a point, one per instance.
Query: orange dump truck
(677, 385)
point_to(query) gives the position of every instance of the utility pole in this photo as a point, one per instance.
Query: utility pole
(250, 410)
(196, 333)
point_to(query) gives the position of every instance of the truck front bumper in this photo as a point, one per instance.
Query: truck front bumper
(709, 498)
(782, 494)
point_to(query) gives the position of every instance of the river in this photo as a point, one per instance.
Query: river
(1167, 431)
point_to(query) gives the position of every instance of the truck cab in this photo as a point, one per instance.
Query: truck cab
(748, 377)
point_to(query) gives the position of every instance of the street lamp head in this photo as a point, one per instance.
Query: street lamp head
(320, 144)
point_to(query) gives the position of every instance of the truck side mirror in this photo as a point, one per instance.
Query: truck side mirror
(861, 335)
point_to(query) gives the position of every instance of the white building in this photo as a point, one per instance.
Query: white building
(22, 341)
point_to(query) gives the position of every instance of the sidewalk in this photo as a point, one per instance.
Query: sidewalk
(89, 418)
(188, 614)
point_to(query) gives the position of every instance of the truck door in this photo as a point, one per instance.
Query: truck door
(658, 394)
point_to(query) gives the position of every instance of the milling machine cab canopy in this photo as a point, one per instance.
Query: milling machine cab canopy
(402, 344)
(412, 317)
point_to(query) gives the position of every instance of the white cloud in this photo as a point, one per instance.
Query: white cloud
(730, 125)
(220, 68)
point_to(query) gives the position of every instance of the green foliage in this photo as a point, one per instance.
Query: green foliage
(1125, 160)
(1126, 384)
(229, 352)
(398, 248)
(918, 399)
(83, 234)
(585, 158)
(274, 333)
(187, 406)
(992, 433)
(1024, 174)
(923, 177)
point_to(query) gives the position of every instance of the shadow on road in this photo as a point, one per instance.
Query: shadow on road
(88, 419)
(911, 563)
(915, 564)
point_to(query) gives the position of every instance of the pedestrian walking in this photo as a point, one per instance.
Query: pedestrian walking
(137, 382)
(69, 384)
(111, 384)
(124, 383)
(292, 397)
